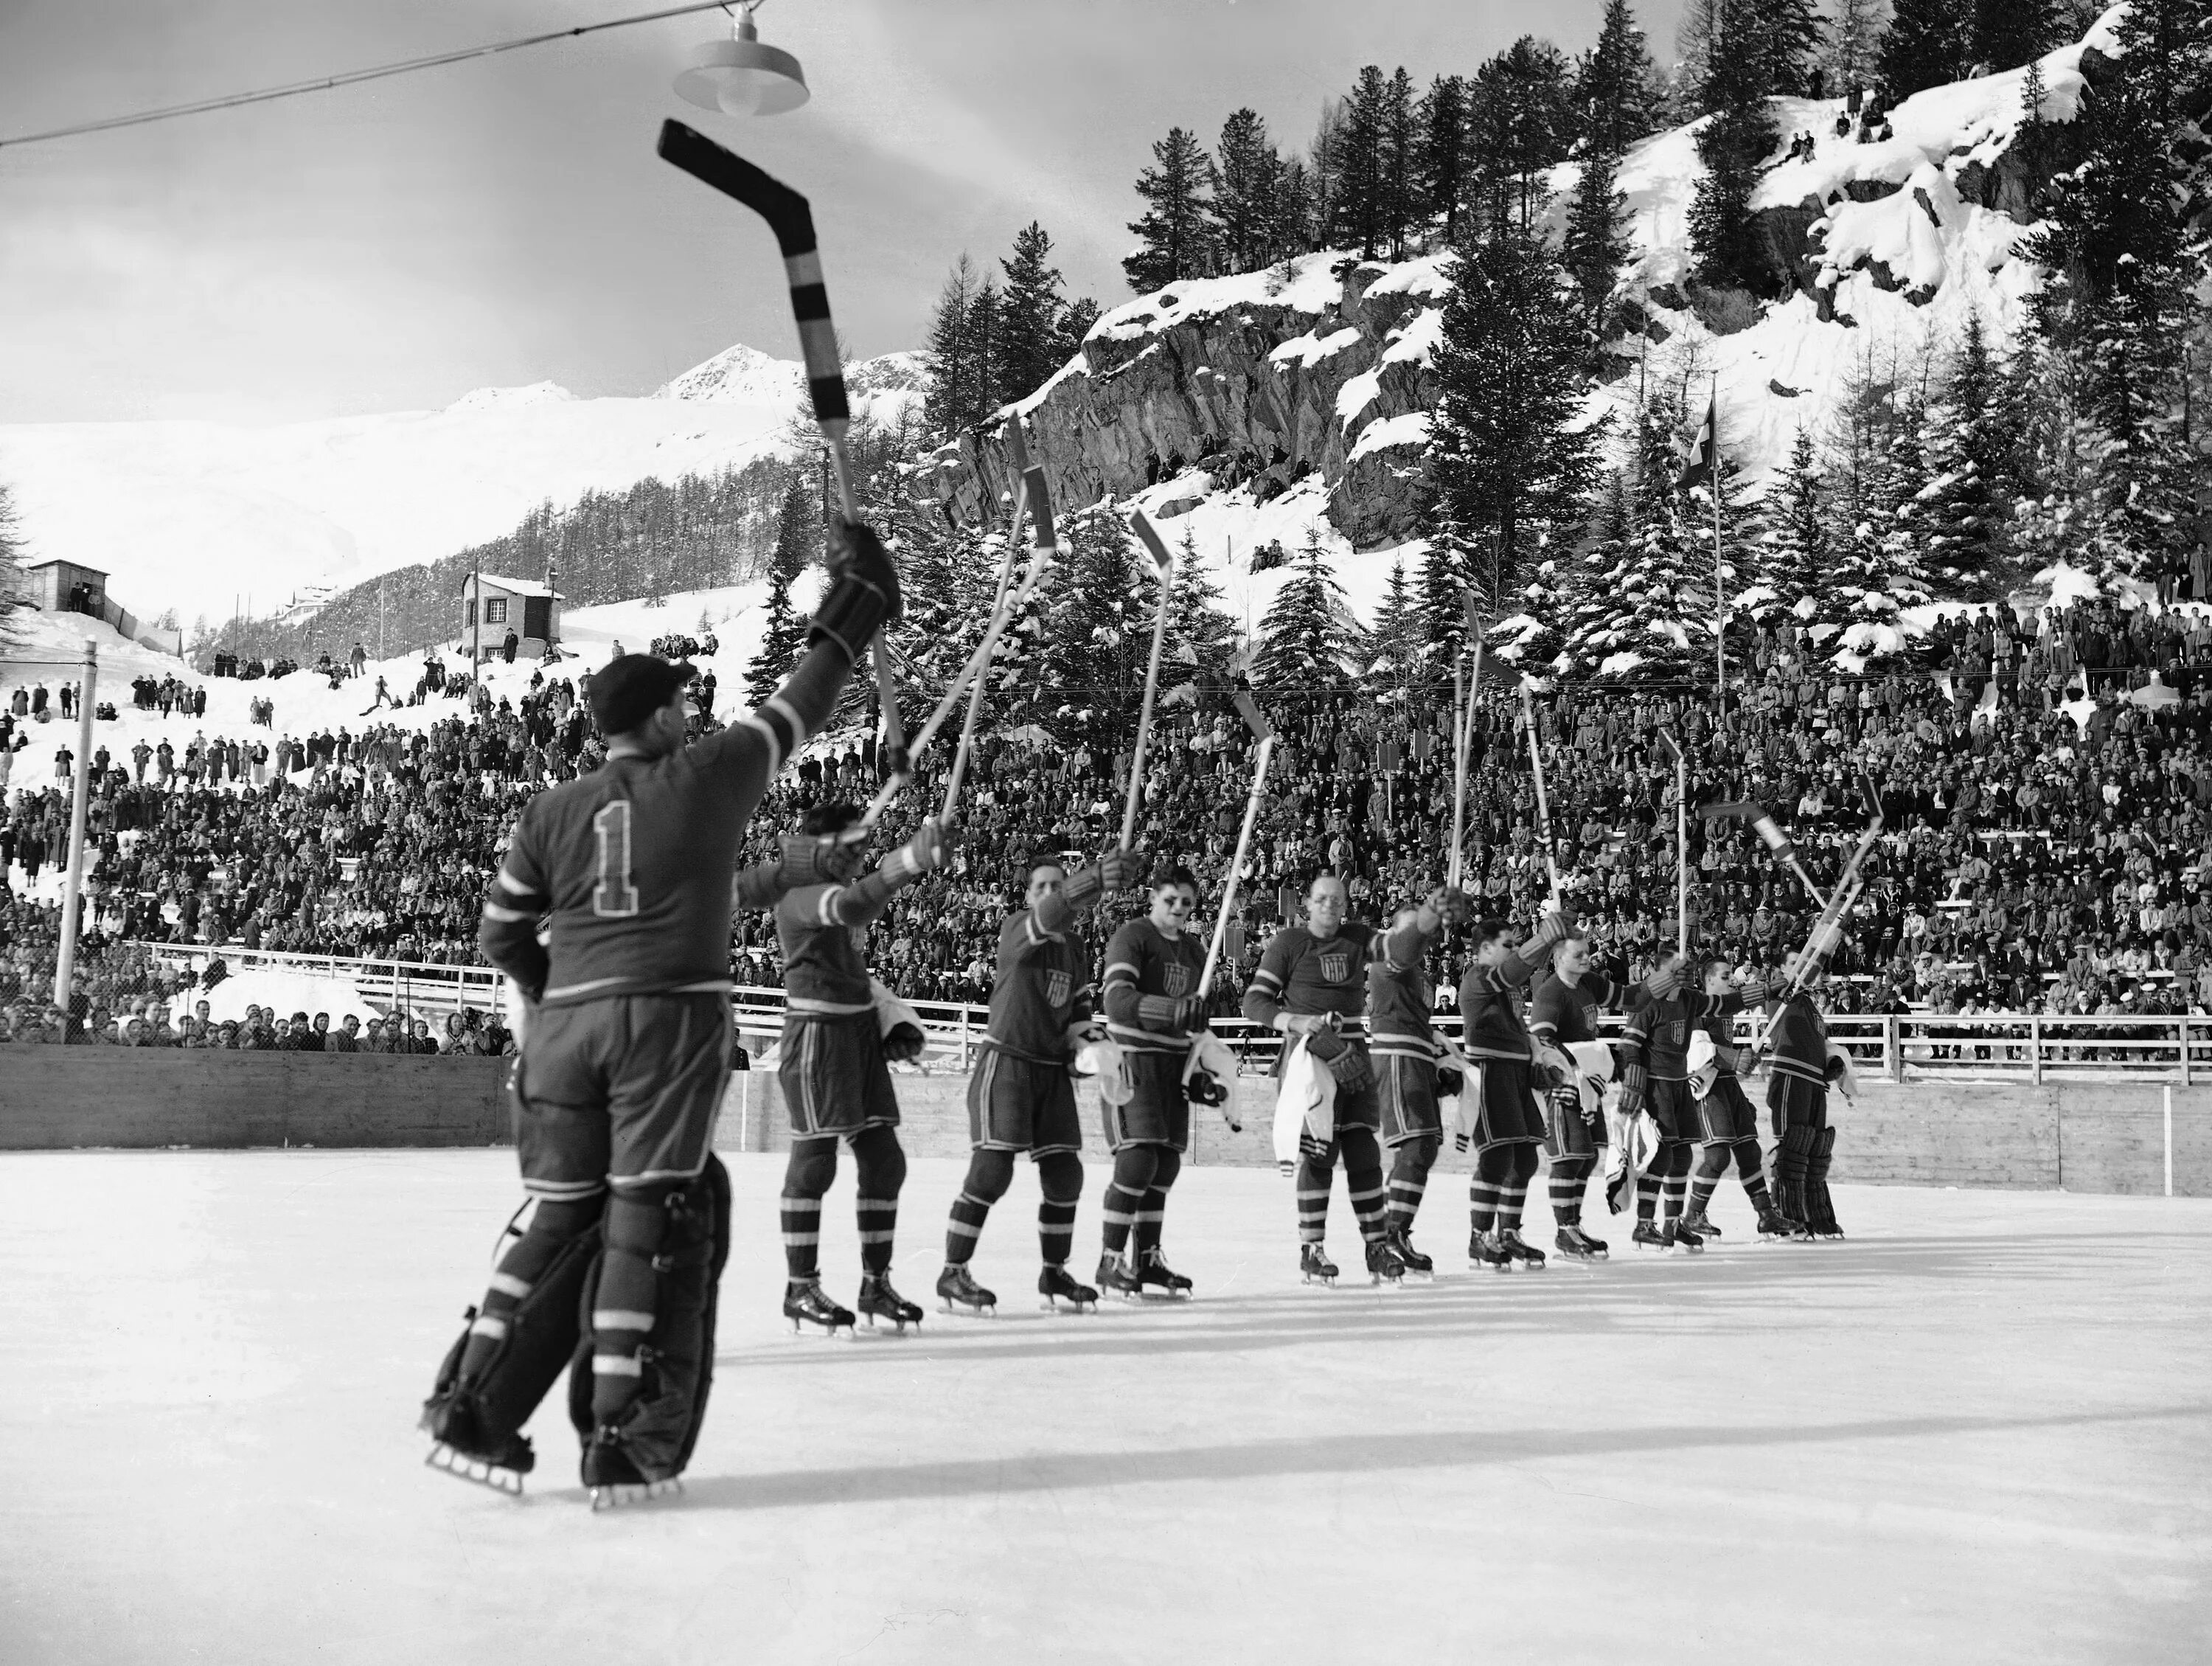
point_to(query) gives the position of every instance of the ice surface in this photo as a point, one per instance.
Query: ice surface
(1979, 1430)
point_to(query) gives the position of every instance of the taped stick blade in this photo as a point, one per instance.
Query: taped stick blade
(789, 214)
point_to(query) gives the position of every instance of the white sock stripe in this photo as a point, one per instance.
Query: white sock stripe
(616, 1364)
(801, 1240)
(620, 1318)
(1152, 1215)
(486, 1325)
(1116, 1218)
(507, 1284)
(877, 1237)
(875, 1203)
(1362, 1197)
(966, 1228)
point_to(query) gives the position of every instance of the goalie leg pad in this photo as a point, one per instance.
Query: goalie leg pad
(1792, 1159)
(638, 1390)
(518, 1342)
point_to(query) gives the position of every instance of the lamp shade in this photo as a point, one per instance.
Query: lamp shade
(743, 77)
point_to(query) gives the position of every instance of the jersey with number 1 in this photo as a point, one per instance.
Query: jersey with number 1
(635, 863)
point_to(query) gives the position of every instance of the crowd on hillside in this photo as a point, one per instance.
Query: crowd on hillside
(2047, 793)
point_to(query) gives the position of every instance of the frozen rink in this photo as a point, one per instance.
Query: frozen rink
(1979, 1430)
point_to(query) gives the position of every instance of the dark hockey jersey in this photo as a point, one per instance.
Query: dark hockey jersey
(1141, 961)
(1042, 986)
(1399, 997)
(1490, 1003)
(1658, 1032)
(824, 970)
(1300, 973)
(1560, 1013)
(1800, 1037)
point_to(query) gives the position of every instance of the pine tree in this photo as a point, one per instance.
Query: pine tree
(1440, 604)
(1926, 44)
(1596, 244)
(1398, 199)
(1202, 635)
(1396, 646)
(961, 361)
(1099, 631)
(1509, 456)
(1522, 119)
(1308, 637)
(1616, 89)
(1854, 40)
(1442, 120)
(1734, 145)
(1075, 321)
(2010, 32)
(1794, 561)
(1173, 225)
(1031, 335)
(13, 602)
(1357, 205)
(1972, 437)
(1247, 177)
(784, 636)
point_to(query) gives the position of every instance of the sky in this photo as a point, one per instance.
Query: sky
(505, 221)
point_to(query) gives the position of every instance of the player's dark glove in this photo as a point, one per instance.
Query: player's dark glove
(1450, 904)
(1119, 869)
(803, 862)
(1555, 925)
(905, 1043)
(1635, 1085)
(863, 595)
(1450, 1083)
(1169, 1013)
(1665, 980)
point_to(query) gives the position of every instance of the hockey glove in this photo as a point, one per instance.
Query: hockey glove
(1353, 1070)
(1664, 982)
(1119, 869)
(1635, 1082)
(1167, 1014)
(1450, 1083)
(814, 862)
(1553, 927)
(1450, 904)
(929, 849)
(905, 1043)
(863, 595)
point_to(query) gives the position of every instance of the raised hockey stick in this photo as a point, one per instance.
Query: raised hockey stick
(1044, 545)
(1681, 846)
(1250, 713)
(791, 218)
(1165, 564)
(978, 663)
(1543, 801)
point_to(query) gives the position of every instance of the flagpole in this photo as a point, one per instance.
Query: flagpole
(1459, 770)
(1720, 599)
(1681, 846)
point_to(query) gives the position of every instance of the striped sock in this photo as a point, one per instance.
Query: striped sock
(1566, 1182)
(1313, 1201)
(1482, 1200)
(1512, 1198)
(1406, 1202)
(877, 1218)
(1055, 1231)
(1754, 1187)
(1151, 1217)
(1672, 1194)
(1118, 1214)
(1701, 1191)
(802, 1238)
(1368, 1204)
(1647, 1195)
(966, 1226)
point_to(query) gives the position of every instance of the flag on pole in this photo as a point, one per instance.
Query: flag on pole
(1704, 450)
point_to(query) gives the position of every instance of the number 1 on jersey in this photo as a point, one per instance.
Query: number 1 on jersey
(614, 894)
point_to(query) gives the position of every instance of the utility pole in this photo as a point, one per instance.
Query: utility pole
(73, 880)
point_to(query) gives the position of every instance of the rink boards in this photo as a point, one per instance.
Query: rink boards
(2081, 1136)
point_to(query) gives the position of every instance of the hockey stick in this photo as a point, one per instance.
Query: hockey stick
(978, 663)
(1044, 545)
(791, 218)
(1681, 846)
(1165, 564)
(1828, 928)
(1229, 895)
(1543, 802)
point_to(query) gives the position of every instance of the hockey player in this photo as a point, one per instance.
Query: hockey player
(1311, 983)
(1406, 1051)
(1800, 1069)
(1728, 1132)
(1507, 1122)
(625, 1044)
(1153, 1008)
(833, 1071)
(1021, 1098)
(1655, 1076)
(1559, 1016)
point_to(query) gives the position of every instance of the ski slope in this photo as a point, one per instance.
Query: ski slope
(1978, 1430)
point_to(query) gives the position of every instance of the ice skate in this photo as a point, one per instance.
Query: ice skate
(613, 1480)
(878, 1300)
(1577, 1245)
(1115, 1278)
(1775, 1227)
(1154, 1274)
(1057, 1285)
(803, 1304)
(1696, 1221)
(1685, 1240)
(1527, 1254)
(1417, 1265)
(957, 1288)
(1383, 1266)
(1649, 1236)
(501, 1471)
(1487, 1251)
(1314, 1265)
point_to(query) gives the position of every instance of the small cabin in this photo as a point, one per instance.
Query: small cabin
(67, 586)
(532, 612)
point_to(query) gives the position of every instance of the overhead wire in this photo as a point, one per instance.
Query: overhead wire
(353, 77)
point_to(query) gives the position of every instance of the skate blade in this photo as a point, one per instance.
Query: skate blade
(628, 1493)
(462, 1467)
(799, 1327)
(1051, 1304)
(897, 1326)
(979, 1310)
(1316, 1278)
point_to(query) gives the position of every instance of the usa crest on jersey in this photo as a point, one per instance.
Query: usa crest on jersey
(1176, 977)
(1335, 968)
(1058, 987)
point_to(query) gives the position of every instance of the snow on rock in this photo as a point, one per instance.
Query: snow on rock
(1410, 429)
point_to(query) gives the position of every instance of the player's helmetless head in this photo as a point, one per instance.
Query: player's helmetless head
(1046, 879)
(1175, 899)
(1572, 959)
(1493, 941)
(1325, 904)
(1718, 982)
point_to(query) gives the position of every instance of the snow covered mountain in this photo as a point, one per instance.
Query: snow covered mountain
(191, 515)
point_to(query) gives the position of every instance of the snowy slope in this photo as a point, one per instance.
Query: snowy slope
(191, 515)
